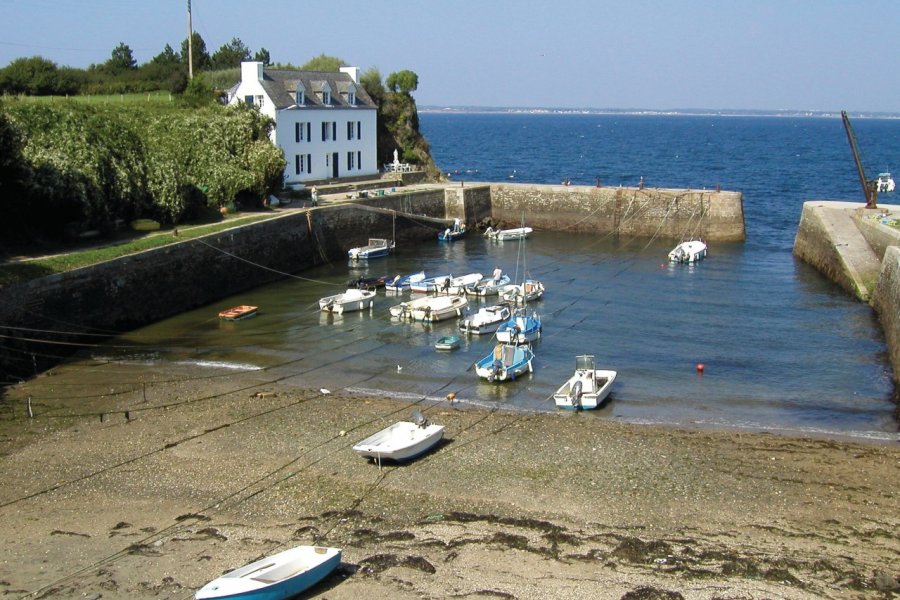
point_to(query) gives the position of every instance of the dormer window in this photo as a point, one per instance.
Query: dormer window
(326, 94)
(351, 95)
(300, 98)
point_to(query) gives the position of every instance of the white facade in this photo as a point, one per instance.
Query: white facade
(325, 123)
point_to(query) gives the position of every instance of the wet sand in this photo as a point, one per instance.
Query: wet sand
(196, 481)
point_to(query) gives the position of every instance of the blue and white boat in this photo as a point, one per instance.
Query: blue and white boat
(505, 363)
(457, 285)
(401, 283)
(522, 328)
(376, 248)
(451, 234)
(528, 291)
(488, 287)
(429, 285)
(277, 577)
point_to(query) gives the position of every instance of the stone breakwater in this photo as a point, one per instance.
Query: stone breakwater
(851, 246)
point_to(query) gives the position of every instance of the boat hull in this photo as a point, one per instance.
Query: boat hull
(591, 391)
(688, 252)
(431, 309)
(487, 320)
(448, 342)
(277, 577)
(520, 330)
(400, 442)
(238, 312)
(505, 363)
(350, 301)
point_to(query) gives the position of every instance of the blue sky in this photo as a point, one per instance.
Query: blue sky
(655, 54)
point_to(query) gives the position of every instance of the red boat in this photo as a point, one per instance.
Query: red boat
(238, 312)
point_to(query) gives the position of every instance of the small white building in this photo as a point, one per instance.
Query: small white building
(325, 123)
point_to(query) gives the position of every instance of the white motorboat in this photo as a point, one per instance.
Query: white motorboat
(488, 287)
(351, 300)
(457, 285)
(282, 575)
(401, 441)
(688, 252)
(588, 388)
(486, 320)
(531, 289)
(517, 233)
(376, 248)
(430, 308)
(885, 182)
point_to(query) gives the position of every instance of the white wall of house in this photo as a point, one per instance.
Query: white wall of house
(351, 140)
(318, 142)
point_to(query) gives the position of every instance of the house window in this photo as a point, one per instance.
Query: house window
(334, 130)
(359, 130)
(309, 163)
(309, 132)
(248, 100)
(350, 130)
(324, 131)
(328, 160)
(359, 160)
(259, 101)
(298, 164)
(350, 157)
(298, 132)
(351, 98)
(326, 98)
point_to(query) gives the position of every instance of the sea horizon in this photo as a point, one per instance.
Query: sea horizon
(688, 112)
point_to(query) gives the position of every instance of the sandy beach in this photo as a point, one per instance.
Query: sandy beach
(195, 481)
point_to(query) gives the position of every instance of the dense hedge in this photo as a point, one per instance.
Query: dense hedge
(88, 166)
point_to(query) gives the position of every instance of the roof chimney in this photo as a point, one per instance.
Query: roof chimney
(353, 72)
(251, 71)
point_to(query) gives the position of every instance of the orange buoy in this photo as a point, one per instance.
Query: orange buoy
(700, 367)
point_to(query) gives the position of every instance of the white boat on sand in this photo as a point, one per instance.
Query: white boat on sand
(401, 441)
(351, 300)
(430, 308)
(588, 388)
(688, 252)
(517, 233)
(282, 575)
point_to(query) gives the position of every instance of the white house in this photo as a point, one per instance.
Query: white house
(325, 123)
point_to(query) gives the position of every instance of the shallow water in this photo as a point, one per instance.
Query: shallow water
(784, 349)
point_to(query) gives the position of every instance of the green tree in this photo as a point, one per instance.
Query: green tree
(36, 76)
(198, 93)
(202, 61)
(370, 79)
(328, 64)
(404, 81)
(167, 57)
(122, 59)
(14, 170)
(262, 55)
(230, 55)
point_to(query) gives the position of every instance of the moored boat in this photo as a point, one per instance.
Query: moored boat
(531, 289)
(457, 285)
(238, 312)
(351, 300)
(517, 233)
(521, 328)
(430, 308)
(275, 577)
(451, 234)
(505, 363)
(688, 252)
(587, 388)
(486, 320)
(377, 247)
(404, 440)
(447, 342)
(885, 182)
(368, 283)
(428, 285)
(488, 287)
(401, 283)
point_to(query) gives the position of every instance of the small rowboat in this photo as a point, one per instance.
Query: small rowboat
(276, 577)
(448, 342)
(404, 440)
(238, 312)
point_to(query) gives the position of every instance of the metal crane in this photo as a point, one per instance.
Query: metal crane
(870, 188)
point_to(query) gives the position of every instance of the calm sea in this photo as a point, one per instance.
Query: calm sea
(784, 349)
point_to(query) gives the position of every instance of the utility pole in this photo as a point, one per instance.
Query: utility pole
(190, 42)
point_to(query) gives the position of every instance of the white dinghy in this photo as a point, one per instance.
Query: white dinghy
(587, 388)
(401, 441)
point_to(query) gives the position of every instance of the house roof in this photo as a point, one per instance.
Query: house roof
(281, 86)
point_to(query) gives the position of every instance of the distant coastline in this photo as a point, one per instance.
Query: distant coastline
(694, 112)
